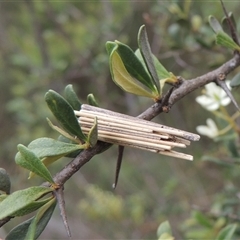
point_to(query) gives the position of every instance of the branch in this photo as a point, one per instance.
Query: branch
(185, 88)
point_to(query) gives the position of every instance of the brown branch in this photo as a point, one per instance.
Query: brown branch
(186, 87)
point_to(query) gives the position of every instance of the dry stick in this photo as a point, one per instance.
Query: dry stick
(113, 131)
(142, 122)
(112, 128)
(186, 87)
(104, 114)
(177, 155)
(125, 135)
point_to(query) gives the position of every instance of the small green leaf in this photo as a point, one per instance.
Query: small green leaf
(147, 55)
(164, 228)
(64, 113)
(31, 207)
(110, 47)
(203, 220)
(93, 134)
(41, 214)
(131, 63)
(123, 79)
(5, 183)
(46, 161)
(67, 140)
(235, 82)
(27, 159)
(91, 100)
(20, 231)
(47, 147)
(161, 70)
(50, 150)
(72, 97)
(63, 132)
(215, 25)
(225, 24)
(227, 232)
(20, 199)
(225, 40)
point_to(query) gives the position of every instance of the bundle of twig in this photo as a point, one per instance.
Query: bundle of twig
(124, 130)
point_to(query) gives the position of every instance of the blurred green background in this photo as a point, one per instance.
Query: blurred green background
(49, 44)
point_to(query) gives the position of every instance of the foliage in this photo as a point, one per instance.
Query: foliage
(54, 44)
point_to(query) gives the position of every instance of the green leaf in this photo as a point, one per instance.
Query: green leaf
(32, 230)
(72, 97)
(123, 79)
(27, 159)
(43, 217)
(67, 140)
(225, 24)
(5, 183)
(225, 40)
(227, 232)
(93, 134)
(64, 113)
(203, 220)
(91, 100)
(31, 207)
(46, 161)
(50, 150)
(164, 228)
(131, 63)
(232, 148)
(235, 82)
(215, 25)
(161, 70)
(147, 55)
(2, 197)
(63, 132)
(47, 147)
(19, 200)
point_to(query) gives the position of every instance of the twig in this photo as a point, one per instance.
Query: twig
(128, 131)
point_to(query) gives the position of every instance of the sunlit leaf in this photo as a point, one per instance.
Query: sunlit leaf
(64, 113)
(91, 100)
(42, 217)
(19, 200)
(225, 40)
(27, 159)
(164, 228)
(93, 134)
(72, 97)
(131, 63)
(227, 232)
(146, 52)
(123, 79)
